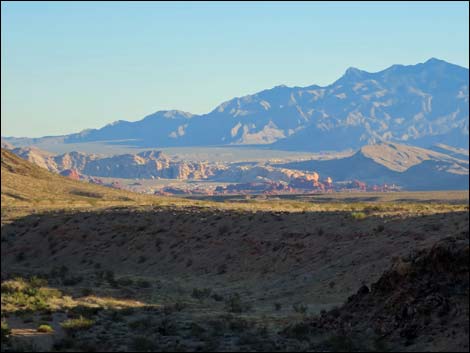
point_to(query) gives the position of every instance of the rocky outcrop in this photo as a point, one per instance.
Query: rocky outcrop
(147, 165)
(71, 173)
(421, 303)
(258, 173)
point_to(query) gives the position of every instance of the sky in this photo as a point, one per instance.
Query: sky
(68, 66)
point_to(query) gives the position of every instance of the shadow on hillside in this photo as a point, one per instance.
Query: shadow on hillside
(148, 329)
(123, 253)
(127, 239)
(341, 198)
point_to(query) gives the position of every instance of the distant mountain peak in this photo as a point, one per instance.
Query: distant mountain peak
(352, 74)
(353, 71)
(435, 61)
(170, 114)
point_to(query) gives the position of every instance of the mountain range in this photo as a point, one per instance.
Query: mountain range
(420, 105)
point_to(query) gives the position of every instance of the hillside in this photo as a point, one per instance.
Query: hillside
(147, 164)
(420, 104)
(29, 186)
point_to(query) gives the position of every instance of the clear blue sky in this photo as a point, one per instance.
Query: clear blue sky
(70, 66)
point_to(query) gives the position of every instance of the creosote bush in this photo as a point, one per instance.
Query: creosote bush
(79, 324)
(44, 328)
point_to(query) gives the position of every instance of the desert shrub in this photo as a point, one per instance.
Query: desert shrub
(380, 228)
(172, 308)
(37, 282)
(238, 324)
(300, 331)
(248, 338)
(142, 323)
(84, 311)
(22, 346)
(222, 269)
(234, 304)
(143, 344)
(299, 308)
(223, 229)
(358, 215)
(167, 328)
(335, 312)
(27, 319)
(197, 330)
(340, 343)
(109, 277)
(217, 297)
(141, 259)
(211, 344)
(142, 283)
(201, 293)
(72, 280)
(125, 282)
(47, 317)
(79, 324)
(90, 194)
(64, 344)
(127, 311)
(44, 328)
(59, 272)
(20, 295)
(5, 329)
(277, 306)
(85, 292)
(218, 326)
(13, 285)
(21, 256)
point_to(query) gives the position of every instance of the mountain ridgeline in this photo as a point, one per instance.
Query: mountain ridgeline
(421, 105)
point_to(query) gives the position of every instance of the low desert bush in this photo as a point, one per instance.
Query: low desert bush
(358, 215)
(44, 328)
(234, 304)
(299, 308)
(79, 324)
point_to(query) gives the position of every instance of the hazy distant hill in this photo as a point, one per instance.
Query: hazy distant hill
(411, 167)
(421, 104)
